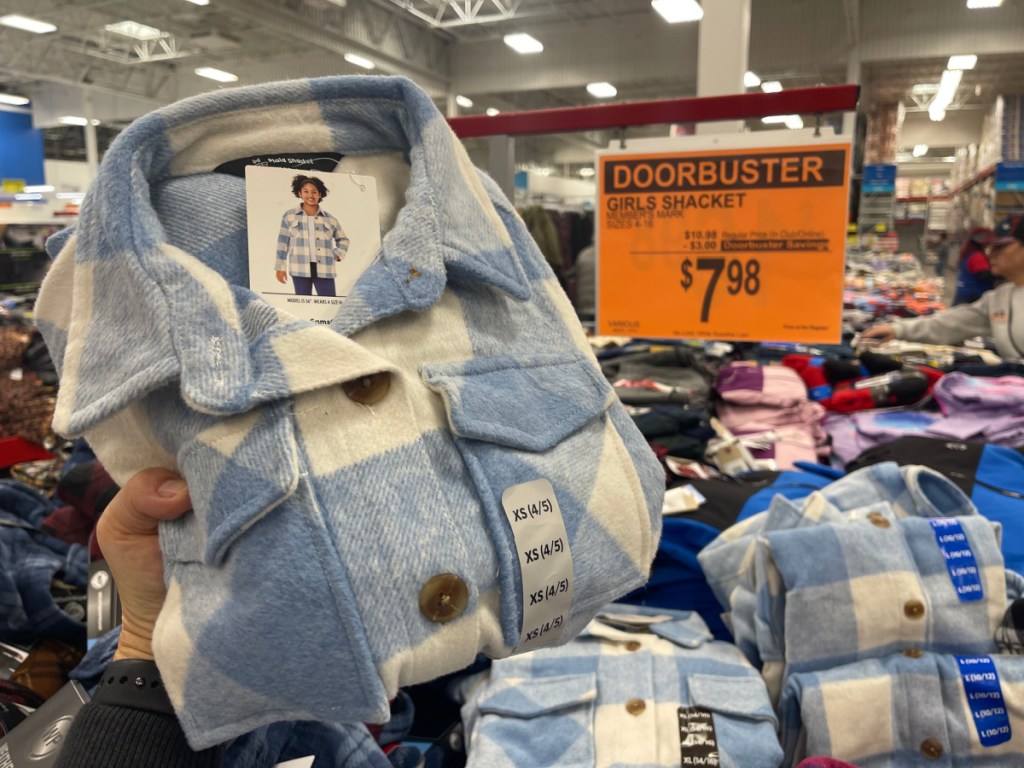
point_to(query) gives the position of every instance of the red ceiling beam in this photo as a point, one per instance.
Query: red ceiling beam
(800, 101)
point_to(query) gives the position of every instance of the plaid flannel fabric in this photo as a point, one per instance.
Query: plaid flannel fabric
(293, 251)
(900, 711)
(294, 586)
(728, 562)
(612, 697)
(869, 586)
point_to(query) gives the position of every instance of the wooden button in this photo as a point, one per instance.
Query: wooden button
(879, 520)
(370, 389)
(635, 707)
(913, 609)
(932, 749)
(633, 645)
(913, 653)
(443, 598)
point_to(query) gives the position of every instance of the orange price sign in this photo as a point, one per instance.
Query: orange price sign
(736, 244)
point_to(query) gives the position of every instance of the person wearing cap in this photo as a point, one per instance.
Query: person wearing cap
(998, 314)
(974, 273)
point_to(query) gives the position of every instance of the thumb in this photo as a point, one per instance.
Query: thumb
(150, 496)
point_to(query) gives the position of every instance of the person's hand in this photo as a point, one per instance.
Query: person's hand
(127, 534)
(282, 276)
(337, 257)
(879, 334)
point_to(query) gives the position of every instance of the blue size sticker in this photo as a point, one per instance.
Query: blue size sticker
(956, 549)
(985, 698)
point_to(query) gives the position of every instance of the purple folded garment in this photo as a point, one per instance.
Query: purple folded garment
(768, 385)
(957, 392)
(884, 426)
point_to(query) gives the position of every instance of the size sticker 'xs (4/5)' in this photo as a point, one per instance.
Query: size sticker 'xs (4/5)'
(985, 698)
(959, 557)
(698, 742)
(544, 561)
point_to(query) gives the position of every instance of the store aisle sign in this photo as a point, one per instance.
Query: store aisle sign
(879, 178)
(737, 244)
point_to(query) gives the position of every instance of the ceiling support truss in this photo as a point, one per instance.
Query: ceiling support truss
(456, 13)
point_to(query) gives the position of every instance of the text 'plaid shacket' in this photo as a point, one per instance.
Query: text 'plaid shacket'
(348, 534)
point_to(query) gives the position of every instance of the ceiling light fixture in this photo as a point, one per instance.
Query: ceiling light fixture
(219, 75)
(523, 43)
(199, 2)
(936, 115)
(72, 120)
(586, 172)
(464, 101)
(976, 4)
(966, 61)
(38, 188)
(70, 195)
(601, 90)
(920, 150)
(925, 88)
(359, 61)
(948, 84)
(28, 196)
(676, 11)
(135, 30)
(771, 86)
(774, 119)
(14, 101)
(27, 24)
(794, 122)
(491, 111)
(750, 80)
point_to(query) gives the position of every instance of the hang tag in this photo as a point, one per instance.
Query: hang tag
(544, 561)
(698, 742)
(309, 278)
(683, 498)
(985, 698)
(956, 550)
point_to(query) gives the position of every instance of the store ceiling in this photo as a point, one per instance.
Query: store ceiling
(443, 47)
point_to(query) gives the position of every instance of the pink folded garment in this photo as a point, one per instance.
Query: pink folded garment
(769, 385)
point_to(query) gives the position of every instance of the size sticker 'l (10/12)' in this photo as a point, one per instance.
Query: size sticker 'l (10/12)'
(985, 698)
(959, 557)
(544, 561)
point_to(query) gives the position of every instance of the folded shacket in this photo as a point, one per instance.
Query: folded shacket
(342, 475)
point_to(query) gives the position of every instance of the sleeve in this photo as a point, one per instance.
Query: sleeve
(341, 240)
(283, 239)
(951, 327)
(107, 736)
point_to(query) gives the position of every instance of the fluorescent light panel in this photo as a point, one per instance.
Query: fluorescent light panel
(966, 61)
(359, 61)
(27, 24)
(70, 195)
(464, 101)
(586, 172)
(676, 11)
(13, 100)
(39, 188)
(72, 120)
(774, 119)
(212, 73)
(771, 86)
(976, 4)
(794, 122)
(948, 84)
(790, 121)
(491, 111)
(750, 80)
(28, 196)
(920, 150)
(523, 43)
(135, 30)
(602, 90)
(199, 2)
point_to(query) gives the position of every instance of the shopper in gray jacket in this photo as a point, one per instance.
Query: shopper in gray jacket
(998, 314)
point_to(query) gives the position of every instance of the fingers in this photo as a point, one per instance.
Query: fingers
(149, 497)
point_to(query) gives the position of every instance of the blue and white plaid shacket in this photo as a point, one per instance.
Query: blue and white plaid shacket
(293, 589)
(899, 711)
(293, 253)
(612, 698)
